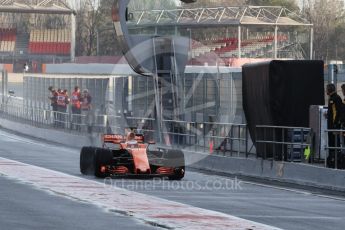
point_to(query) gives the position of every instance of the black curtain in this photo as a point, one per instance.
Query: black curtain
(279, 93)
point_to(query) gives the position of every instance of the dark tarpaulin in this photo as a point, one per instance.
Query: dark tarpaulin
(279, 93)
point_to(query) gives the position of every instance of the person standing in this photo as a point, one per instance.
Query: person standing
(76, 108)
(334, 115)
(86, 108)
(342, 140)
(67, 101)
(62, 101)
(342, 118)
(26, 67)
(53, 103)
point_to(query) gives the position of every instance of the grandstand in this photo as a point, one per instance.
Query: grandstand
(7, 39)
(226, 48)
(222, 33)
(50, 41)
(36, 32)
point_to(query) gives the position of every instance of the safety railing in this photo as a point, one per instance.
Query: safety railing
(85, 122)
(335, 149)
(210, 138)
(295, 144)
(282, 142)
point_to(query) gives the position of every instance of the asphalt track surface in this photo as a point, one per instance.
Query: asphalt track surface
(25, 207)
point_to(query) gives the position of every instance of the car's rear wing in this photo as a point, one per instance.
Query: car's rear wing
(113, 138)
(118, 139)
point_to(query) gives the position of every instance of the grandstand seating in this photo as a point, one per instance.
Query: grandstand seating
(226, 48)
(52, 41)
(8, 39)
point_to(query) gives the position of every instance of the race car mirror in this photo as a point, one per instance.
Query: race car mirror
(146, 42)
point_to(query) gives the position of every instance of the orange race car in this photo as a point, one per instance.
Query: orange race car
(131, 156)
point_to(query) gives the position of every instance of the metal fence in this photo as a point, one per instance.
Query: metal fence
(282, 142)
(218, 138)
(85, 122)
(335, 149)
(296, 144)
(35, 89)
(226, 139)
(205, 94)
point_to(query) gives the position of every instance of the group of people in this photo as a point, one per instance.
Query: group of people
(335, 121)
(80, 105)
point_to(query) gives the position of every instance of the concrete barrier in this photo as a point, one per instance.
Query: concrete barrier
(301, 174)
(56, 136)
(295, 173)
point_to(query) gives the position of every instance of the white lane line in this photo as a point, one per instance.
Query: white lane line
(306, 193)
(298, 191)
(279, 188)
(143, 207)
(294, 217)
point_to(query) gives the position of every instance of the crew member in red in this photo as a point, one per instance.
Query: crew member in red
(76, 108)
(62, 101)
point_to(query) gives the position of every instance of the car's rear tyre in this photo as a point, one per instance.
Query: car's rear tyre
(87, 160)
(103, 158)
(179, 174)
(175, 159)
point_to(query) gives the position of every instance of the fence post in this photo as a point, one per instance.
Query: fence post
(105, 123)
(274, 144)
(239, 141)
(336, 151)
(283, 145)
(327, 148)
(301, 144)
(256, 141)
(265, 145)
(231, 139)
(246, 141)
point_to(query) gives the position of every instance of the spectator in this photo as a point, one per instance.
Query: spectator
(86, 100)
(342, 118)
(76, 108)
(53, 103)
(62, 101)
(86, 108)
(334, 115)
(26, 67)
(342, 140)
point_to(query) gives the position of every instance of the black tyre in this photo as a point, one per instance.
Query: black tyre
(103, 157)
(179, 174)
(86, 160)
(175, 159)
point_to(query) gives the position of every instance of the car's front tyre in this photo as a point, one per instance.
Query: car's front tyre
(103, 158)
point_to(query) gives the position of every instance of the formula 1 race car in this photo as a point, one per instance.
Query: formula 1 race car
(121, 158)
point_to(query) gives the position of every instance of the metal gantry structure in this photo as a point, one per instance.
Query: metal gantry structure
(242, 16)
(38, 6)
(57, 7)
